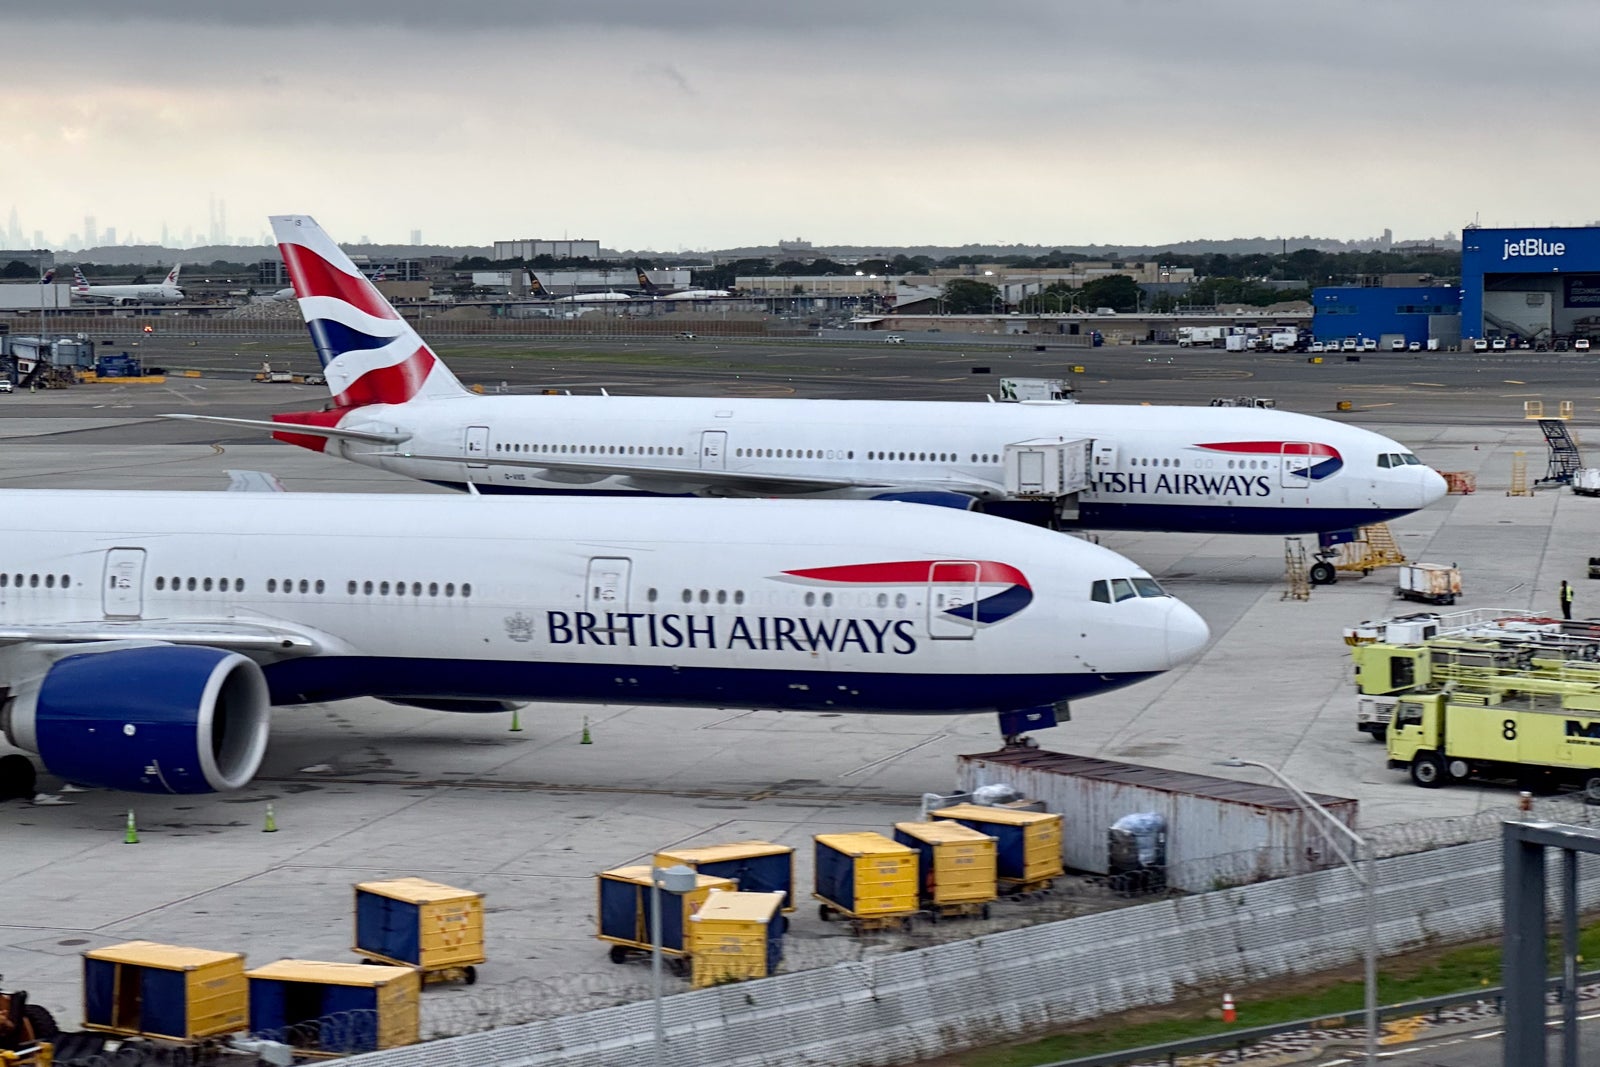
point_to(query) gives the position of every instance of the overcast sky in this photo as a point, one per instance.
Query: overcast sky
(711, 124)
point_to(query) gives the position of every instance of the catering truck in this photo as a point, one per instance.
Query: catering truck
(1201, 336)
(1549, 739)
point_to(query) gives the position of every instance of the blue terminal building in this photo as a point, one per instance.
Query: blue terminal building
(1413, 313)
(1534, 284)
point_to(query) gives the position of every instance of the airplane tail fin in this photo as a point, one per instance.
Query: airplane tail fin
(172, 275)
(78, 280)
(370, 352)
(646, 284)
(49, 276)
(536, 287)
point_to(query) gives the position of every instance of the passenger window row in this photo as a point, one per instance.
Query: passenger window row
(34, 581)
(723, 596)
(307, 586)
(792, 453)
(591, 450)
(1107, 591)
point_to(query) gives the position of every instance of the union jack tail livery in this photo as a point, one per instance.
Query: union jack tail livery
(370, 353)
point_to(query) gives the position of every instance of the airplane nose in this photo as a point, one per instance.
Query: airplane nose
(1187, 633)
(1434, 487)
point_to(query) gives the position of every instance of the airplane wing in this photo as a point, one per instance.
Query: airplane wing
(262, 637)
(738, 481)
(299, 429)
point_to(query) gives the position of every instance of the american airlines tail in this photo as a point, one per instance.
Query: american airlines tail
(370, 353)
(79, 282)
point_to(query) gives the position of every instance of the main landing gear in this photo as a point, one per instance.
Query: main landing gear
(1322, 572)
(1015, 724)
(18, 778)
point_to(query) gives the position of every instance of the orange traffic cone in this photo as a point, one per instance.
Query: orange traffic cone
(1229, 1015)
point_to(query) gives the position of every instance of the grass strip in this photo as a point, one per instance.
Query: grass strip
(1417, 975)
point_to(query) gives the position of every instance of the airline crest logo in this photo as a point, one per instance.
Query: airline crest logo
(351, 323)
(1305, 459)
(982, 591)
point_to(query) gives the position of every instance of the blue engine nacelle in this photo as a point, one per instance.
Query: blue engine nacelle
(147, 719)
(936, 497)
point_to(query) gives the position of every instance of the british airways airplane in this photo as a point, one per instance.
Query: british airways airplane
(145, 635)
(1182, 469)
(166, 292)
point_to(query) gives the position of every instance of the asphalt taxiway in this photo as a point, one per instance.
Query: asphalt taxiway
(365, 790)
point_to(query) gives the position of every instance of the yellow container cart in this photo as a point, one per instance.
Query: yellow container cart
(955, 867)
(167, 992)
(336, 1008)
(867, 879)
(735, 936)
(624, 910)
(412, 922)
(1028, 843)
(758, 866)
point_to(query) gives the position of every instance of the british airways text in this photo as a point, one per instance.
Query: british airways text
(762, 633)
(1245, 485)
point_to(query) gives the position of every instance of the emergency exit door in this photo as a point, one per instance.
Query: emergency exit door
(714, 450)
(607, 586)
(476, 447)
(122, 591)
(953, 600)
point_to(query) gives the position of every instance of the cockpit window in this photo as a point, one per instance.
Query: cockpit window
(1386, 460)
(1122, 589)
(1149, 587)
(1100, 592)
(1411, 461)
(1398, 459)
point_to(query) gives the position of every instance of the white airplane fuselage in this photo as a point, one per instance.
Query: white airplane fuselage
(1213, 470)
(130, 294)
(107, 598)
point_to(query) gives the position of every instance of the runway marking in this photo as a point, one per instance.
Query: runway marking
(1434, 385)
(1513, 381)
(1230, 375)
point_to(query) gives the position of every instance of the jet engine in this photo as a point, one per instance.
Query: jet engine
(139, 716)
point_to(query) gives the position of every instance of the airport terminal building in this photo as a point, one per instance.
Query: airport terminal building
(1540, 284)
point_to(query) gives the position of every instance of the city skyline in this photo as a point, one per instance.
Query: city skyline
(658, 127)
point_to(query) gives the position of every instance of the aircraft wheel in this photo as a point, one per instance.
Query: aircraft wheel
(1591, 790)
(18, 778)
(1322, 573)
(1427, 770)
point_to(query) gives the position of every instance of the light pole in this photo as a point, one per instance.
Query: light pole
(676, 880)
(1365, 871)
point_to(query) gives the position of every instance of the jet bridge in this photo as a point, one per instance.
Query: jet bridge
(1054, 469)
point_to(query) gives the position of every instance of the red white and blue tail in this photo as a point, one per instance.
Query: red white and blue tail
(80, 284)
(370, 353)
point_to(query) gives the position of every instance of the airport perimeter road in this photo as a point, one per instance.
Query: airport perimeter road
(1482, 1049)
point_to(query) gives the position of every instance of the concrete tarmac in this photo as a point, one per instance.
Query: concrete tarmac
(365, 790)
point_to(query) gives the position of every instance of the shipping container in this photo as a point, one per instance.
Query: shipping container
(413, 922)
(624, 910)
(865, 876)
(758, 866)
(955, 863)
(736, 935)
(1220, 831)
(1027, 843)
(335, 1007)
(1431, 582)
(166, 991)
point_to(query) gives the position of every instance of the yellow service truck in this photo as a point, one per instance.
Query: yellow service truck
(1547, 740)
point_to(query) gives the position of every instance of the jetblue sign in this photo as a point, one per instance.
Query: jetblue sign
(1531, 246)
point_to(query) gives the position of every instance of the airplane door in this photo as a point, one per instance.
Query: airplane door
(1295, 458)
(476, 446)
(952, 600)
(714, 450)
(122, 592)
(607, 587)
